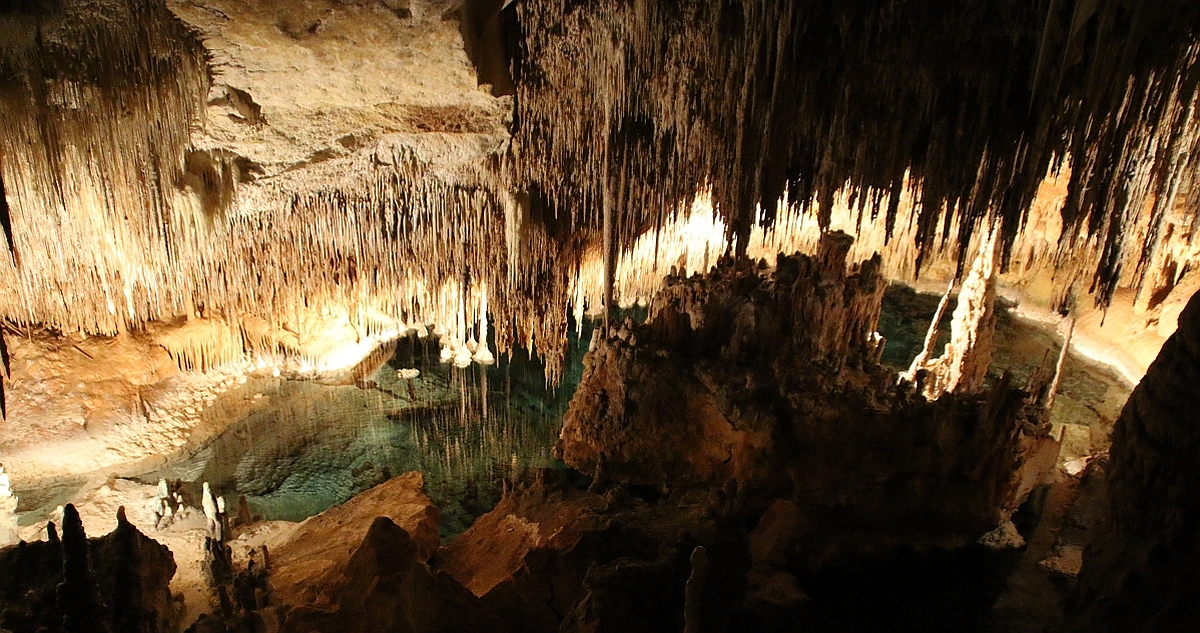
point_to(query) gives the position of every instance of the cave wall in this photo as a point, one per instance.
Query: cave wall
(1140, 564)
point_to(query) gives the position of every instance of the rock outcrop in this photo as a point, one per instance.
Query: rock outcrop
(553, 558)
(1141, 567)
(309, 569)
(389, 588)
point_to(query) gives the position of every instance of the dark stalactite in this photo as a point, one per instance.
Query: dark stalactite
(973, 101)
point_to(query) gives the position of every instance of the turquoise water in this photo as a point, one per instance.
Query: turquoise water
(305, 446)
(297, 447)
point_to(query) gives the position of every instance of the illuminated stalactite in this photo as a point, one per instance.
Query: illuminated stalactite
(633, 108)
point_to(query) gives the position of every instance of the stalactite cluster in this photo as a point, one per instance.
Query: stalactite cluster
(119, 210)
(120, 219)
(636, 105)
(97, 105)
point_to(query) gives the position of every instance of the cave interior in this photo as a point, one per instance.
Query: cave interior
(619, 315)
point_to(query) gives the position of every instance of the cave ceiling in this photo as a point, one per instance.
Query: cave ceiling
(432, 161)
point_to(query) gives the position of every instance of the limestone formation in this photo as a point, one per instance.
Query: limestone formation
(389, 588)
(550, 558)
(300, 182)
(118, 582)
(212, 514)
(1052, 390)
(963, 366)
(401, 195)
(931, 337)
(649, 85)
(307, 570)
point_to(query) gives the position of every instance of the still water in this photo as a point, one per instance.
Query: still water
(297, 447)
(304, 446)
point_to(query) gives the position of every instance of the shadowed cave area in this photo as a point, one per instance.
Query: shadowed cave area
(523, 315)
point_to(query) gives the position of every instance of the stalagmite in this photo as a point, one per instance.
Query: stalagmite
(212, 513)
(4, 370)
(693, 607)
(77, 595)
(1058, 367)
(8, 511)
(931, 337)
(963, 366)
(483, 355)
(609, 246)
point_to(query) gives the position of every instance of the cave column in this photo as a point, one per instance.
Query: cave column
(931, 337)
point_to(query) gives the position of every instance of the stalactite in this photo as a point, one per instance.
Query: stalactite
(769, 115)
(651, 84)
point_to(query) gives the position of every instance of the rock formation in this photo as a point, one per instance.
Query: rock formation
(389, 588)
(308, 568)
(396, 193)
(306, 180)
(118, 582)
(964, 365)
(552, 558)
(638, 99)
(770, 380)
(1140, 565)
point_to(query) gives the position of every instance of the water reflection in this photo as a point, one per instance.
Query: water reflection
(305, 446)
(1090, 396)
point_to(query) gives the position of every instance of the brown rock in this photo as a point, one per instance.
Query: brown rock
(1141, 568)
(524, 558)
(389, 589)
(770, 381)
(776, 531)
(550, 558)
(308, 568)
